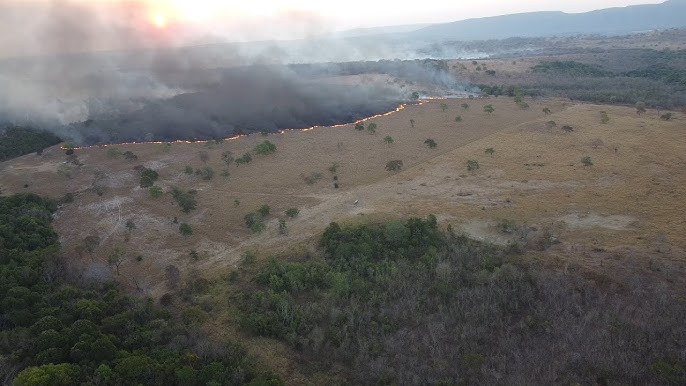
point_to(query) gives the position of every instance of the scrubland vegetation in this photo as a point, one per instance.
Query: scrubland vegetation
(17, 141)
(53, 332)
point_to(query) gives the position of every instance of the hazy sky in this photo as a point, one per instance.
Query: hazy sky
(28, 26)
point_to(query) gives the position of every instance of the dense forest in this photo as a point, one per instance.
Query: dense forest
(17, 141)
(403, 303)
(53, 332)
(623, 76)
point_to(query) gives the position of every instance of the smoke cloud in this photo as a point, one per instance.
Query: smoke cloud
(103, 73)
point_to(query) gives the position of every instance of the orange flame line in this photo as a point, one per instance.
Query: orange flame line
(283, 131)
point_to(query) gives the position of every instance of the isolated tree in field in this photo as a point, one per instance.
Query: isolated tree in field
(490, 151)
(371, 128)
(204, 156)
(604, 118)
(115, 258)
(388, 140)
(465, 106)
(292, 212)
(265, 148)
(254, 222)
(206, 173)
(547, 111)
(640, 108)
(185, 230)
(155, 191)
(394, 166)
(227, 158)
(472, 165)
(245, 159)
(667, 117)
(430, 143)
(359, 126)
(444, 107)
(148, 177)
(186, 200)
(489, 109)
(415, 95)
(264, 210)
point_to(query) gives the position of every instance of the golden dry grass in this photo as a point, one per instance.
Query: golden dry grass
(630, 202)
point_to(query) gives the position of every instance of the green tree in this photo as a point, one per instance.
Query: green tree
(604, 118)
(186, 200)
(415, 95)
(185, 229)
(567, 129)
(264, 210)
(265, 148)
(489, 109)
(206, 173)
(245, 159)
(156, 191)
(394, 166)
(148, 178)
(431, 143)
(359, 126)
(388, 140)
(292, 212)
(188, 169)
(62, 374)
(371, 128)
(586, 161)
(490, 151)
(667, 116)
(254, 222)
(116, 258)
(472, 165)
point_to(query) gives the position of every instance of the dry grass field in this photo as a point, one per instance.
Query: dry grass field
(622, 215)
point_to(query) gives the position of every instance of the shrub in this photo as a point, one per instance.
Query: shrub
(394, 166)
(567, 129)
(431, 143)
(292, 212)
(186, 200)
(245, 159)
(587, 162)
(604, 118)
(206, 173)
(667, 116)
(130, 156)
(265, 148)
(254, 222)
(371, 128)
(472, 165)
(264, 210)
(458, 118)
(185, 229)
(148, 177)
(489, 109)
(155, 191)
(312, 178)
(188, 169)
(359, 126)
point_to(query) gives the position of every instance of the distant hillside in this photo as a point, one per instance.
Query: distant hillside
(669, 14)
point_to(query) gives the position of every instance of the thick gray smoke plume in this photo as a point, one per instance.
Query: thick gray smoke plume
(92, 77)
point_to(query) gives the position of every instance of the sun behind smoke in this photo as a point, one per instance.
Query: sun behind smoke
(159, 21)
